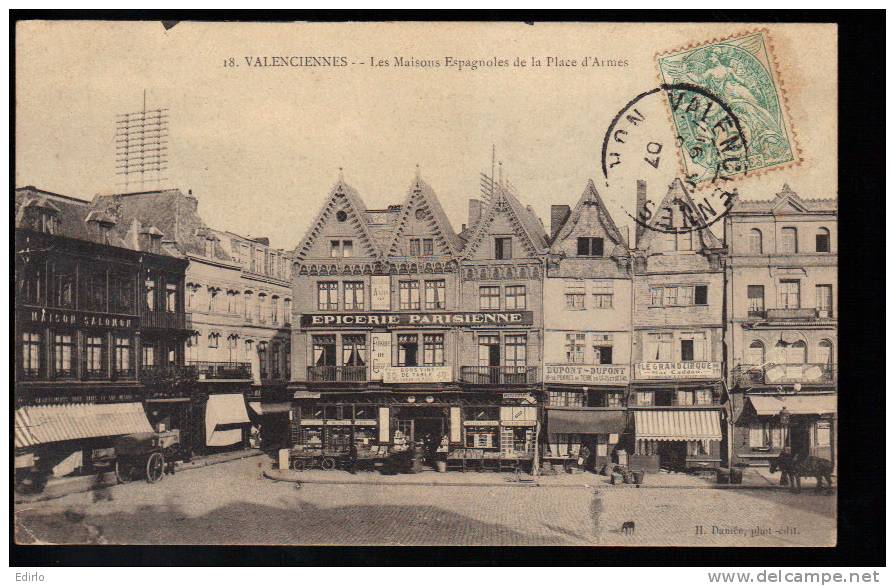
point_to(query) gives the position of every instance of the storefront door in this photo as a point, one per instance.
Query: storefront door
(800, 438)
(672, 455)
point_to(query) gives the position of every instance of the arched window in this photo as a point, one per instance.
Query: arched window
(755, 244)
(789, 241)
(247, 298)
(756, 353)
(822, 240)
(794, 353)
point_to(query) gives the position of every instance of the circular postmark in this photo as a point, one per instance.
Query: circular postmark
(638, 149)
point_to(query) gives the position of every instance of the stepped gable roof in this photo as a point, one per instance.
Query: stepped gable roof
(170, 212)
(590, 196)
(677, 190)
(526, 224)
(441, 225)
(782, 198)
(358, 216)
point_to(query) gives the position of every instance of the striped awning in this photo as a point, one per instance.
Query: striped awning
(677, 424)
(795, 404)
(43, 424)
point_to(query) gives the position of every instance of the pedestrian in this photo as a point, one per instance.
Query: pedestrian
(352, 458)
(583, 457)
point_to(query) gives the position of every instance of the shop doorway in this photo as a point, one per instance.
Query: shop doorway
(424, 426)
(800, 439)
(672, 455)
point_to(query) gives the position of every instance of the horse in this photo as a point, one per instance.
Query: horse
(794, 467)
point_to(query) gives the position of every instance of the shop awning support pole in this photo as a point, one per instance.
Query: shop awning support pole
(535, 462)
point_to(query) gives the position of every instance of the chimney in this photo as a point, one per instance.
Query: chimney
(262, 240)
(558, 215)
(475, 212)
(641, 202)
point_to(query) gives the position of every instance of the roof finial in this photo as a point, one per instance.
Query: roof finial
(417, 174)
(500, 173)
(341, 175)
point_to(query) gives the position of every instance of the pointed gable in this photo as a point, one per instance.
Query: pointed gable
(422, 217)
(589, 218)
(654, 240)
(788, 201)
(343, 215)
(505, 215)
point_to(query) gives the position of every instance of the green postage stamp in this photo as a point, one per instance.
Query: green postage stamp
(740, 72)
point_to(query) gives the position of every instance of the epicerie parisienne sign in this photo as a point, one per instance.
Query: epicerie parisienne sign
(586, 373)
(675, 370)
(444, 318)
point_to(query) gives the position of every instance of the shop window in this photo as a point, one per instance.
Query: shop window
(823, 433)
(789, 294)
(408, 295)
(364, 412)
(755, 241)
(489, 297)
(503, 248)
(64, 355)
(565, 399)
(408, 349)
(334, 412)
(643, 398)
(789, 241)
(575, 348)
(481, 413)
(327, 296)
(481, 437)
(693, 346)
(702, 397)
(603, 295)
(562, 445)
(433, 349)
(824, 300)
(122, 358)
(435, 294)
(822, 240)
(590, 247)
(664, 398)
(515, 297)
(614, 400)
(755, 296)
(575, 298)
(697, 448)
(324, 350)
(354, 295)
(354, 350)
(765, 434)
(32, 348)
(683, 398)
(658, 347)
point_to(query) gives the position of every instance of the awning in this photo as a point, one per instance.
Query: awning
(221, 410)
(795, 405)
(677, 424)
(42, 424)
(267, 408)
(575, 421)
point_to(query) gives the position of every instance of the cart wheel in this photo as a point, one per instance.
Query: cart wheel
(328, 463)
(122, 472)
(155, 467)
(298, 464)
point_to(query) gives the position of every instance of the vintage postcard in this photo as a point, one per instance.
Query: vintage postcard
(420, 283)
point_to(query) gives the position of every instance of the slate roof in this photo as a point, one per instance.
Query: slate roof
(786, 194)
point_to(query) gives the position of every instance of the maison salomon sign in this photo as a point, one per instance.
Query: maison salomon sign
(444, 318)
(586, 373)
(677, 370)
(79, 318)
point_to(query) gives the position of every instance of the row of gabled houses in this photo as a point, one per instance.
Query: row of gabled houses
(509, 342)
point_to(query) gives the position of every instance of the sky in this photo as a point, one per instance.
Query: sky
(261, 147)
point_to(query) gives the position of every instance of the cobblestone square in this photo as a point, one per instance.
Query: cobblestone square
(233, 503)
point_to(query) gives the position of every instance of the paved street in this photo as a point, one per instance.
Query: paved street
(232, 503)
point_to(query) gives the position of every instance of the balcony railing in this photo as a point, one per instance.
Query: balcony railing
(222, 370)
(772, 374)
(499, 375)
(170, 374)
(337, 374)
(167, 320)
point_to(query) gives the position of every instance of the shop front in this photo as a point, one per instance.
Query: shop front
(676, 440)
(770, 423)
(226, 421)
(570, 430)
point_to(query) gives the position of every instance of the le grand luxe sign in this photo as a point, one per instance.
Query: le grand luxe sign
(418, 319)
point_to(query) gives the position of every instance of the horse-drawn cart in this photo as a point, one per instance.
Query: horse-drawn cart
(145, 455)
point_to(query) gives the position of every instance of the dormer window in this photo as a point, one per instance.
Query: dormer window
(155, 243)
(105, 233)
(45, 221)
(590, 247)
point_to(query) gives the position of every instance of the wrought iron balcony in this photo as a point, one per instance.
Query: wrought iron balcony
(499, 375)
(168, 375)
(772, 374)
(166, 320)
(337, 374)
(222, 370)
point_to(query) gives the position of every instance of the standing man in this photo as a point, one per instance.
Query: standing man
(583, 457)
(352, 458)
